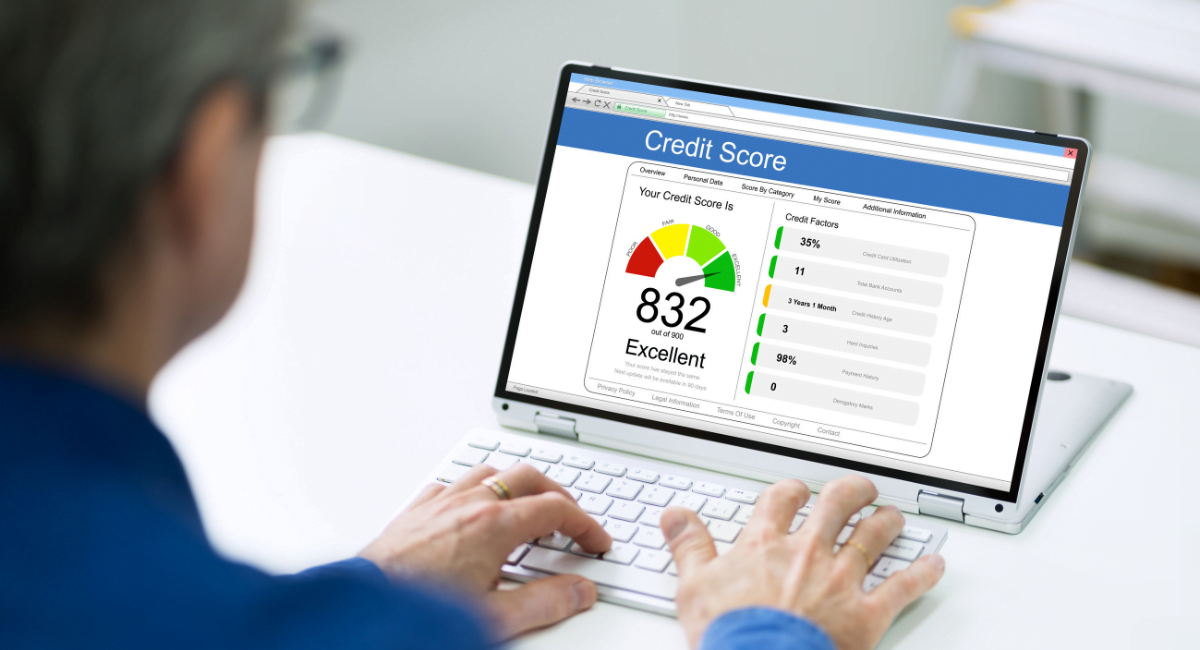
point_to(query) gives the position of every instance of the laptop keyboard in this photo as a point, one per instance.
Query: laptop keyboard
(627, 495)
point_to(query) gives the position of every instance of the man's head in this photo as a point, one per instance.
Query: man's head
(130, 132)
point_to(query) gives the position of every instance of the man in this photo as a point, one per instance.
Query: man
(130, 136)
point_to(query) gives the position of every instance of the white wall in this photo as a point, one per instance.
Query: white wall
(470, 81)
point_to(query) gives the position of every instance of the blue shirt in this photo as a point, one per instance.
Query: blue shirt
(101, 546)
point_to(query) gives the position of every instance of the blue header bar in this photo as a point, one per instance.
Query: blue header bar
(801, 164)
(827, 116)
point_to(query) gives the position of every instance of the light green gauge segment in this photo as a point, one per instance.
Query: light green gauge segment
(703, 245)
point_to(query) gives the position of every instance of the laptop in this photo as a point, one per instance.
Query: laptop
(725, 287)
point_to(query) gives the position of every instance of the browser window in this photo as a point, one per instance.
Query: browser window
(850, 286)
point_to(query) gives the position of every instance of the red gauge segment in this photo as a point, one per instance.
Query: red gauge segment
(645, 259)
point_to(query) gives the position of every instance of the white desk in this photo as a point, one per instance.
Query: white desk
(367, 342)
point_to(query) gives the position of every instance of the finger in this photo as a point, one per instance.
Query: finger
(777, 506)
(905, 586)
(427, 493)
(690, 542)
(874, 534)
(539, 603)
(521, 480)
(471, 479)
(837, 501)
(535, 516)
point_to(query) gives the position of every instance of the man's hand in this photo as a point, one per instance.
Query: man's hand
(460, 535)
(798, 573)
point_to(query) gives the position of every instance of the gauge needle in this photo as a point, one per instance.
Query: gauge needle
(692, 278)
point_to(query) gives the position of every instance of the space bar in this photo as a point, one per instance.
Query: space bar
(602, 573)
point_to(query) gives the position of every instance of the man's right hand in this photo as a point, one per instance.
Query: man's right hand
(460, 534)
(798, 573)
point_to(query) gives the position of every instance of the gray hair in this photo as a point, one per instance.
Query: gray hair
(94, 96)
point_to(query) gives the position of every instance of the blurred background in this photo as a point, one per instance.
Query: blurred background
(471, 82)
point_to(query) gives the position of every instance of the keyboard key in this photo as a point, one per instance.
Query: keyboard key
(708, 489)
(564, 476)
(871, 582)
(556, 541)
(600, 520)
(675, 482)
(626, 510)
(612, 469)
(673, 569)
(651, 517)
(578, 462)
(541, 466)
(595, 504)
(620, 554)
(518, 553)
(724, 531)
(470, 457)
(844, 535)
(593, 483)
(514, 448)
(743, 515)
(718, 509)
(577, 550)
(723, 547)
(643, 475)
(854, 519)
(889, 565)
(693, 502)
(624, 489)
(451, 473)
(653, 560)
(621, 531)
(545, 454)
(904, 549)
(805, 511)
(489, 444)
(797, 522)
(575, 493)
(657, 496)
(916, 534)
(501, 461)
(603, 573)
(649, 537)
(743, 496)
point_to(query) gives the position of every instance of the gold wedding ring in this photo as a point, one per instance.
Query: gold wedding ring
(496, 485)
(863, 550)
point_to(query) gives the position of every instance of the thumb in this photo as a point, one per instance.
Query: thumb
(689, 539)
(539, 603)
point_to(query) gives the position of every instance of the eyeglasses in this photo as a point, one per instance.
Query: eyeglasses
(306, 82)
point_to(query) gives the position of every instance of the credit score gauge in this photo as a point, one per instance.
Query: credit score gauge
(709, 252)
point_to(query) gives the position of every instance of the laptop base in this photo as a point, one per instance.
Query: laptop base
(1074, 409)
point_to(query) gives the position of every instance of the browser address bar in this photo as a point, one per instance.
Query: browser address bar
(898, 150)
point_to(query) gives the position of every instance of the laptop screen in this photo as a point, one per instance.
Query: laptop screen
(856, 287)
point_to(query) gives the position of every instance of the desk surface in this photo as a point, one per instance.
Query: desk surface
(365, 346)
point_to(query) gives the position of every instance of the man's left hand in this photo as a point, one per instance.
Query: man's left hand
(460, 535)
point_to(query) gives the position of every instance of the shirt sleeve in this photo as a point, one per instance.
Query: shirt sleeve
(355, 568)
(762, 628)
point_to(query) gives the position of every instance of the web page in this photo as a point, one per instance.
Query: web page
(833, 286)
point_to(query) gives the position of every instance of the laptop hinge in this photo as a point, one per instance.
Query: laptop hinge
(556, 425)
(938, 505)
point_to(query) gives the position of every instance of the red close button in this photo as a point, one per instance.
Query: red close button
(1070, 153)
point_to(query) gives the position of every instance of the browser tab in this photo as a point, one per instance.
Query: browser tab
(701, 107)
(626, 95)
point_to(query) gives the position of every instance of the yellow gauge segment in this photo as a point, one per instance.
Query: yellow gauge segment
(671, 240)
